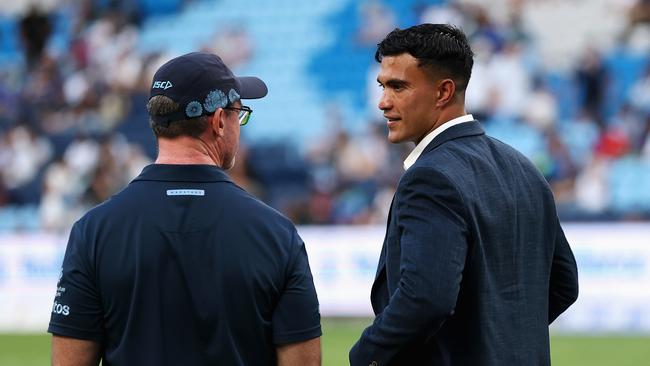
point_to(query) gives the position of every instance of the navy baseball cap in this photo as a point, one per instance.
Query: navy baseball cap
(200, 83)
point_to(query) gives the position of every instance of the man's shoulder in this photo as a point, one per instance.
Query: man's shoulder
(438, 162)
(246, 214)
(252, 206)
(457, 161)
(458, 154)
(476, 160)
(98, 215)
(122, 200)
(425, 174)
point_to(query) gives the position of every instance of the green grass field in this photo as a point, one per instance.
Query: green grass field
(340, 334)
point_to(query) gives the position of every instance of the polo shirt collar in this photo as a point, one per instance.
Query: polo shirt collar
(182, 173)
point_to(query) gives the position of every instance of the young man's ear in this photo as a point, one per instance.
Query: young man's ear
(445, 93)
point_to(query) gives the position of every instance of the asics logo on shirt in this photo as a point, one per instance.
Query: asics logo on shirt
(60, 309)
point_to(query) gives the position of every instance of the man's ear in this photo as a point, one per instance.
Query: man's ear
(446, 90)
(217, 122)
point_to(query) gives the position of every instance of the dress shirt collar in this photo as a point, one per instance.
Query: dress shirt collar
(419, 148)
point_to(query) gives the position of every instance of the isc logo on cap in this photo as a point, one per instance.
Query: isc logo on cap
(162, 85)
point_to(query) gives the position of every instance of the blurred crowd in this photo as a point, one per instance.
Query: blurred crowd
(73, 131)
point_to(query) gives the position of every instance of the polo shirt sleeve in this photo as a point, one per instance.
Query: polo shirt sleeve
(296, 317)
(77, 310)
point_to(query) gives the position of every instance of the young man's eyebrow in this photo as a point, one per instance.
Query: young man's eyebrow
(394, 82)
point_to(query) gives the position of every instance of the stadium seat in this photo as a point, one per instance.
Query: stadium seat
(625, 67)
(625, 177)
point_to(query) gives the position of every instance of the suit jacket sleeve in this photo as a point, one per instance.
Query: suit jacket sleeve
(563, 288)
(433, 240)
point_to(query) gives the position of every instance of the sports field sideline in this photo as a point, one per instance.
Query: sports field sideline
(340, 333)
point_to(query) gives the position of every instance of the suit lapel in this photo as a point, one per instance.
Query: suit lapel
(381, 266)
(379, 291)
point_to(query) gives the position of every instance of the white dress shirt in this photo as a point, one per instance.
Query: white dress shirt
(415, 154)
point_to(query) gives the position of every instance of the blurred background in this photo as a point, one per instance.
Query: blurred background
(566, 82)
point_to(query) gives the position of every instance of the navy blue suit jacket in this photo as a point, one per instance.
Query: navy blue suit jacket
(474, 265)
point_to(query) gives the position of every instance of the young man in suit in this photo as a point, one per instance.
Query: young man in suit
(474, 265)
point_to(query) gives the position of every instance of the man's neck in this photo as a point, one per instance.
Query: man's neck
(448, 114)
(184, 150)
(451, 113)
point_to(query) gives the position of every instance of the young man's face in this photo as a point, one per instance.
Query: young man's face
(408, 99)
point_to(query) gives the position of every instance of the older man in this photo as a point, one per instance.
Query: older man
(183, 267)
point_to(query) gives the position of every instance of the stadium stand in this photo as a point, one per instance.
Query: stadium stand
(74, 78)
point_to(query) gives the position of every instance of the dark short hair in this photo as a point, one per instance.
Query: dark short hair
(160, 105)
(442, 48)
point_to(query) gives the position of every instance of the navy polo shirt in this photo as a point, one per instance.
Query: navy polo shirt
(183, 267)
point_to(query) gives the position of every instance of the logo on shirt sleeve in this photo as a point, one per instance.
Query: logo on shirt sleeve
(57, 308)
(60, 309)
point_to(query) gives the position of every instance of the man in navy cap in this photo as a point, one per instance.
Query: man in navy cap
(183, 267)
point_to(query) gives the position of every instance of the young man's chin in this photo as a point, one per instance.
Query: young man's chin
(395, 138)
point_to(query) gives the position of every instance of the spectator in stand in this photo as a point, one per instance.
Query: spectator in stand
(22, 156)
(481, 95)
(508, 64)
(561, 171)
(592, 194)
(639, 96)
(632, 124)
(645, 150)
(638, 14)
(42, 92)
(234, 43)
(376, 19)
(541, 110)
(591, 78)
(61, 187)
(35, 30)
(449, 12)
